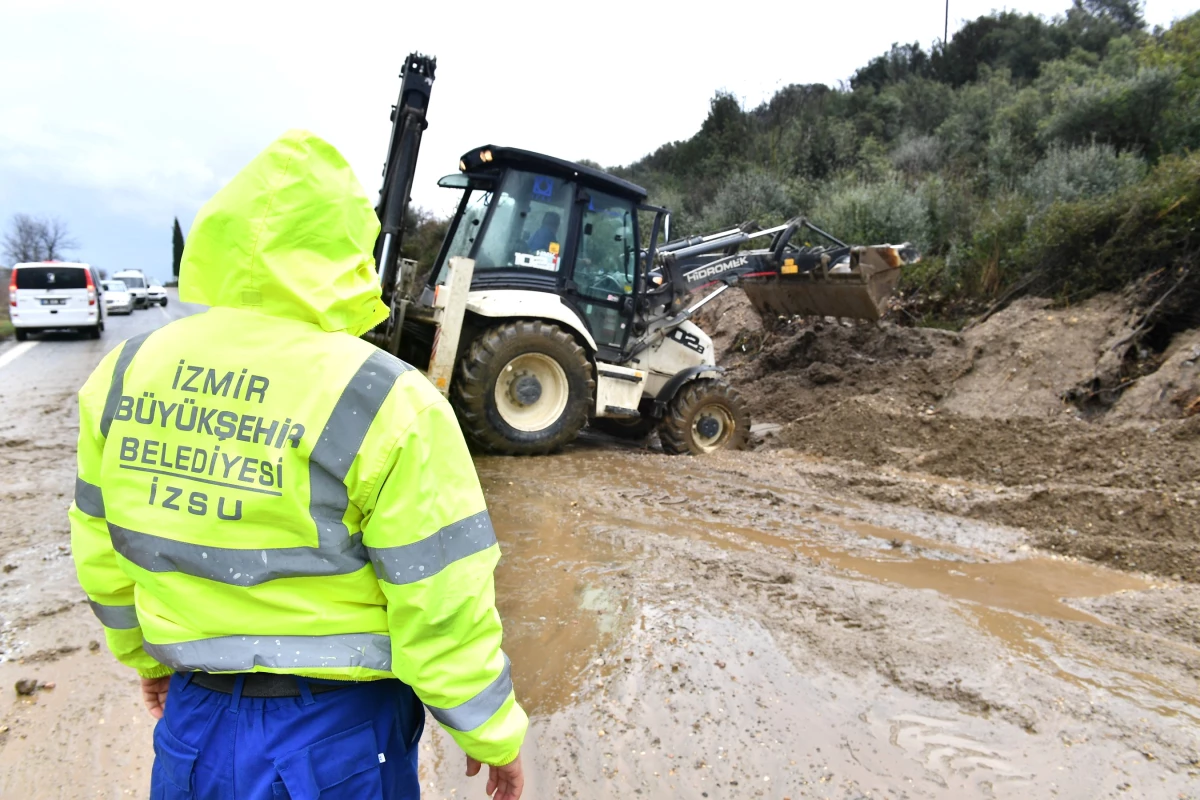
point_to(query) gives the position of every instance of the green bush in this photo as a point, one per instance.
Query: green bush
(1068, 174)
(874, 213)
(985, 260)
(1125, 112)
(1103, 243)
(951, 210)
(751, 195)
(918, 155)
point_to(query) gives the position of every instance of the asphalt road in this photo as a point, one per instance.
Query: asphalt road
(88, 736)
(64, 355)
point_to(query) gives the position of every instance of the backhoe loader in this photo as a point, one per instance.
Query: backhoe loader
(552, 304)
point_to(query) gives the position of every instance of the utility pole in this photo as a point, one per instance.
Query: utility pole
(946, 26)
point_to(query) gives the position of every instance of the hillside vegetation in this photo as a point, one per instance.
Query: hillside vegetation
(1056, 157)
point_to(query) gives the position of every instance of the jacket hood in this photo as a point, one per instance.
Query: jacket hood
(290, 236)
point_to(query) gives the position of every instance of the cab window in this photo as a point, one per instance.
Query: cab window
(527, 223)
(605, 266)
(467, 231)
(607, 258)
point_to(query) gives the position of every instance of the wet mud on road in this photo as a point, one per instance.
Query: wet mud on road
(743, 625)
(725, 627)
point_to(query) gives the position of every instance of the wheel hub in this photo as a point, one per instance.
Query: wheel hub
(531, 392)
(711, 427)
(526, 390)
(708, 427)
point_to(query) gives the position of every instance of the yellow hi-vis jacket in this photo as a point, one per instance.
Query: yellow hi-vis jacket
(259, 490)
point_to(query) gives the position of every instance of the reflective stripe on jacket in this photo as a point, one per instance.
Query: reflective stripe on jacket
(260, 490)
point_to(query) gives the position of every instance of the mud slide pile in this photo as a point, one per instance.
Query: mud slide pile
(1061, 421)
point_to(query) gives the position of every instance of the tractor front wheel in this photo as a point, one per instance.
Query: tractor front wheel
(523, 388)
(706, 415)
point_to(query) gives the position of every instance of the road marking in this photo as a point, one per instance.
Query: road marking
(166, 316)
(16, 352)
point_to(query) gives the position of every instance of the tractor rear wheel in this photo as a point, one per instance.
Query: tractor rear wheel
(706, 415)
(523, 388)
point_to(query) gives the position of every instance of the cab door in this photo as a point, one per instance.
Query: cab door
(603, 274)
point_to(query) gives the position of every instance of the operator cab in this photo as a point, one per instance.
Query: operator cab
(536, 223)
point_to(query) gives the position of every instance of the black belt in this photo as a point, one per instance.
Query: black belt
(263, 684)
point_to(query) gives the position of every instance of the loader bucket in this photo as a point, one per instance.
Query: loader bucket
(856, 288)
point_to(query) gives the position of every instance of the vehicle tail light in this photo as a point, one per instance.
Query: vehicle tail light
(12, 288)
(91, 287)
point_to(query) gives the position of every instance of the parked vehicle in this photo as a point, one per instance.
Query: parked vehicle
(117, 299)
(156, 294)
(135, 280)
(45, 295)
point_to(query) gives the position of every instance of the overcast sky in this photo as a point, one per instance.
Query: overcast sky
(119, 117)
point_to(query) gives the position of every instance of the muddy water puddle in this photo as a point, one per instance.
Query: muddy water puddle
(705, 706)
(1042, 648)
(564, 605)
(552, 596)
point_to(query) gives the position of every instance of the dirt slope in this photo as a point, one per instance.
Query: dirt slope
(993, 406)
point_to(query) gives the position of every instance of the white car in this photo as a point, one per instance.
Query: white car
(117, 299)
(44, 295)
(155, 293)
(137, 284)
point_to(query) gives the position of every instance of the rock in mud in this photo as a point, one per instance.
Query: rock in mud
(823, 374)
(26, 686)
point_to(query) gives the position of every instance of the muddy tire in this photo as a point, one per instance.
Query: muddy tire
(523, 388)
(706, 415)
(631, 429)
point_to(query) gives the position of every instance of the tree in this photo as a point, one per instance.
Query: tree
(177, 248)
(423, 235)
(1020, 43)
(21, 242)
(898, 64)
(31, 238)
(1092, 24)
(1125, 15)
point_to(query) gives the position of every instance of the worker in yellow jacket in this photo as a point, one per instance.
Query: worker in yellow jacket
(279, 525)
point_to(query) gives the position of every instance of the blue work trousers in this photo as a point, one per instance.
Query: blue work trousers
(355, 742)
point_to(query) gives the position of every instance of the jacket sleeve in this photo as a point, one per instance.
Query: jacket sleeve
(433, 547)
(109, 589)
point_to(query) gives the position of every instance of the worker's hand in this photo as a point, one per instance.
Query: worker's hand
(504, 783)
(154, 695)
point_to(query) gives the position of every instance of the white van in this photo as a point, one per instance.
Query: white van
(43, 295)
(137, 284)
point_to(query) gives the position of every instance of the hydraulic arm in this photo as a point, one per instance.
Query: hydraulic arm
(784, 277)
(408, 123)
